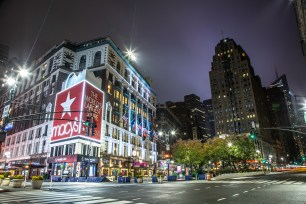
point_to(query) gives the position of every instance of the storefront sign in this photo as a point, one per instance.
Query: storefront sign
(62, 159)
(86, 159)
(72, 107)
(140, 164)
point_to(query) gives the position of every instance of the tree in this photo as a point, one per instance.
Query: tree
(189, 152)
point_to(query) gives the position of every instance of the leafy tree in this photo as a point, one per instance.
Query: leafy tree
(189, 152)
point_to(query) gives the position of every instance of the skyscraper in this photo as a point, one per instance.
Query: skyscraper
(281, 112)
(209, 118)
(238, 99)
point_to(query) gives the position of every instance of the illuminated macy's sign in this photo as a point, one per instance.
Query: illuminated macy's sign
(71, 108)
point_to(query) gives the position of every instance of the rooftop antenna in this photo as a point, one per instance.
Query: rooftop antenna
(276, 73)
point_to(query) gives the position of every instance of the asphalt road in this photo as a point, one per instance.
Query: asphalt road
(273, 188)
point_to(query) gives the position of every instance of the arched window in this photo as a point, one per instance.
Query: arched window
(97, 59)
(82, 62)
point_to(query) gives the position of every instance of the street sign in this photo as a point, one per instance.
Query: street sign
(6, 111)
(168, 161)
(8, 126)
(167, 147)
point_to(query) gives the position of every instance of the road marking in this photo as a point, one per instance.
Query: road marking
(236, 194)
(136, 198)
(245, 191)
(207, 187)
(298, 182)
(253, 189)
(197, 189)
(180, 192)
(140, 190)
(258, 187)
(221, 199)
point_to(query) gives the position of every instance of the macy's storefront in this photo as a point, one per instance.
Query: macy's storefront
(74, 166)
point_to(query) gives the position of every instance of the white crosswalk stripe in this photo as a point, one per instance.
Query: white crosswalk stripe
(55, 197)
(261, 181)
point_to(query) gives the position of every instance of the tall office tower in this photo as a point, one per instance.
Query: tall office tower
(192, 115)
(169, 127)
(197, 116)
(83, 111)
(209, 118)
(282, 114)
(300, 113)
(237, 95)
(181, 111)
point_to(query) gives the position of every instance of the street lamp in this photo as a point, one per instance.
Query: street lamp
(230, 145)
(167, 135)
(7, 156)
(131, 55)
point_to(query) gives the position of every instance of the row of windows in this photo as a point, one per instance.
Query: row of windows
(26, 136)
(26, 150)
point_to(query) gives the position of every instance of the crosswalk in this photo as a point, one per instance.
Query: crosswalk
(42, 197)
(263, 181)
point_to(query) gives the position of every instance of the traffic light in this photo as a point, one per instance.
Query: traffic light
(252, 135)
(303, 158)
(93, 126)
(87, 122)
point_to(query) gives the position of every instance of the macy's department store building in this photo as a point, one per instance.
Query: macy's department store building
(77, 150)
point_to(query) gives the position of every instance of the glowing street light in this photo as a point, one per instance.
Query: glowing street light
(23, 72)
(10, 81)
(230, 144)
(131, 55)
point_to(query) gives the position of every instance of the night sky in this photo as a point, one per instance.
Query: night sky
(174, 40)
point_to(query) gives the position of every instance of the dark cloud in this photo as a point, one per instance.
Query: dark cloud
(175, 40)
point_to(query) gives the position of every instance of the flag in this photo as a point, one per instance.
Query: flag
(155, 135)
(139, 127)
(125, 118)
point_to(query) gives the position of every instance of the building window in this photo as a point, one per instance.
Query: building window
(29, 147)
(31, 135)
(38, 131)
(82, 62)
(97, 59)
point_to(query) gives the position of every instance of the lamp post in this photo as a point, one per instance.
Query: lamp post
(167, 141)
(230, 145)
(7, 156)
(270, 161)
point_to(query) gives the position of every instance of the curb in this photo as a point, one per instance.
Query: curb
(4, 190)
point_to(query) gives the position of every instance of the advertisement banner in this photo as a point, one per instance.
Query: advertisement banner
(93, 105)
(72, 107)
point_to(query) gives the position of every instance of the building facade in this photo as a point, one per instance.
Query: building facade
(166, 122)
(209, 118)
(197, 117)
(300, 10)
(239, 102)
(281, 111)
(122, 145)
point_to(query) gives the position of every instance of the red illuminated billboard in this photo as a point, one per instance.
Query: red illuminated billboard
(72, 107)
